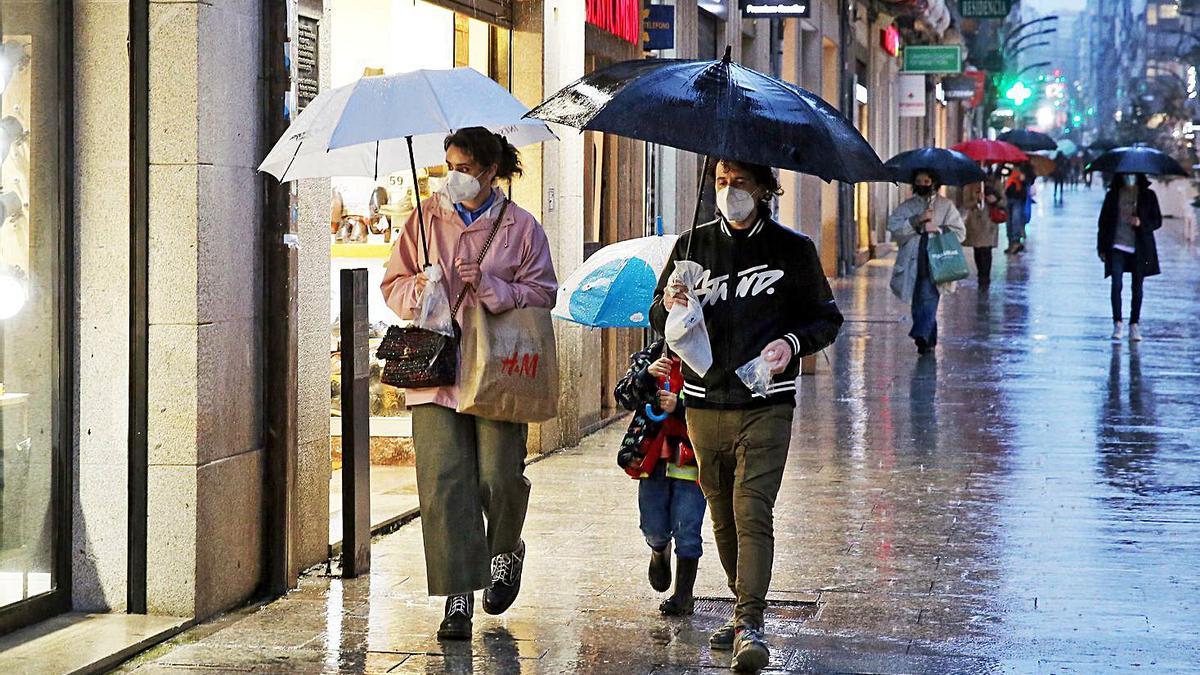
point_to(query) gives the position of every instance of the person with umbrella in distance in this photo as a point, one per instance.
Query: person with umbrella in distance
(925, 213)
(1017, 194)
(470, 469)
(766, 298)
(1125, 244)
(1128, 219)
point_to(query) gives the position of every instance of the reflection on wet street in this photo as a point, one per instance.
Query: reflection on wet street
(1026, 501)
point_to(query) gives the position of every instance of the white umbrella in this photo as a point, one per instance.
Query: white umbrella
(614, 287)
(383, 124)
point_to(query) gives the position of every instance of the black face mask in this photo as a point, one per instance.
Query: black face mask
(923, 190)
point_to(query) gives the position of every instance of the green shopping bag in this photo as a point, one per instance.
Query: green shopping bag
(946, 259)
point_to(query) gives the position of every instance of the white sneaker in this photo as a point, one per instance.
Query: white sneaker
(1118, 330)
(1135, 333)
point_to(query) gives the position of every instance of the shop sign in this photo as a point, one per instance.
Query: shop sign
(958, 88)
(943, 59)
(622, 18)
(984, 9)
(910, 95)
(889, 40)
(658, 27)
(801, 9)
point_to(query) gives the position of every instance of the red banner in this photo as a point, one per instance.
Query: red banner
(622, 18)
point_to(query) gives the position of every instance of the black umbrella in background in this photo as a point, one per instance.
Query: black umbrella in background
(951, 166)
(1029, 140)
(1138, 159)
(718, 109)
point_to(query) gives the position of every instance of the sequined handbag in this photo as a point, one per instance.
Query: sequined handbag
(418, 358)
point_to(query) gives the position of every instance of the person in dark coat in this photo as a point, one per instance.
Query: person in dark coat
(1125, 243)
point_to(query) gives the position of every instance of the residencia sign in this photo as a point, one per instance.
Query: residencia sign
(984, 9)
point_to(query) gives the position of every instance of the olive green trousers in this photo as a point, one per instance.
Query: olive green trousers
(469, 470)
(742, 454)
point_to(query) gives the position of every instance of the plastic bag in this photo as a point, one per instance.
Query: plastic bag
(685, 330)
(433, 310)
(756, 375)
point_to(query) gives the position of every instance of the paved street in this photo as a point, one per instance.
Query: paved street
(1028, 501)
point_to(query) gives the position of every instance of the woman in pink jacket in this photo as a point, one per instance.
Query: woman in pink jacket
(468, 468)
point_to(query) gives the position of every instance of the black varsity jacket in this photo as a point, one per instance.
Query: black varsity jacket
(759, 285)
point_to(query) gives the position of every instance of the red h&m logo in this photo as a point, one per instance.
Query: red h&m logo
(522, 365)
(622, 18)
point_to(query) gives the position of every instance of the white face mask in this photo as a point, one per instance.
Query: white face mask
(735, 204)
(461, 186)
(1130, 179)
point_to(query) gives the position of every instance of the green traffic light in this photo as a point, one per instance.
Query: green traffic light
(1018, 93)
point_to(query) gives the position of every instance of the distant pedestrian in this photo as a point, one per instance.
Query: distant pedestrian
(925, 213)
(659, 454)
(1016, 194)
(1062, 169)
(766, 302)
(1125, 242)
(982, 210)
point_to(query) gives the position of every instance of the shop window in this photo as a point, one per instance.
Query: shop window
(32, 398)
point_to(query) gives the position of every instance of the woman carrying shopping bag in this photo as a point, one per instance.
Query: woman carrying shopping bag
(912, 224)
(495, 264)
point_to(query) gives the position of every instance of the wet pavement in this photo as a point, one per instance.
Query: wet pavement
(1025, 501)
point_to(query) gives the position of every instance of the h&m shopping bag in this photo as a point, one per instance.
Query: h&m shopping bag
(508, 367)
(947, 262)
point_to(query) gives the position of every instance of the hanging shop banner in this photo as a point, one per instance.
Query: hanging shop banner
(658, 27)
(984, 9)
(958, 88)
(889, 40)
(622, 18)
(777, 8)
(933, 59)
(979, 79)
(910, 95)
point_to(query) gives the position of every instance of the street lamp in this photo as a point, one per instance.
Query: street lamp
(1013, 33)
(1025, 37)
(1035, 45)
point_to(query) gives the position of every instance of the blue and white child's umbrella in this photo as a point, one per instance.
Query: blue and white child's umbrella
(614, 287)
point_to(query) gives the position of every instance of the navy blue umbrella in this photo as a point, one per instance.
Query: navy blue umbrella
(719, 109)
(1138, 159)
(951, 166)
(1029, 140)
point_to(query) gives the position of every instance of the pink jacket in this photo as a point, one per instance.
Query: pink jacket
(517, 271)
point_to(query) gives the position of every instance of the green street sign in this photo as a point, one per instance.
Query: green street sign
(933, 59)
(984, 9)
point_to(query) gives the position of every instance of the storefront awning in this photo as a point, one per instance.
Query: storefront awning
(499, 12)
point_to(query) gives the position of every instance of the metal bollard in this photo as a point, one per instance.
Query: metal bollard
(356, 431)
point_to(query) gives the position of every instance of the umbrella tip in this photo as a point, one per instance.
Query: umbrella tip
(728, 54)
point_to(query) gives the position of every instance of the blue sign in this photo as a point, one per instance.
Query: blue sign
(658, 27)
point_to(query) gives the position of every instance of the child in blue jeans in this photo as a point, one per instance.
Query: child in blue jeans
(660, 455)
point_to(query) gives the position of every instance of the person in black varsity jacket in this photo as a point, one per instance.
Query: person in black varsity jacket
(763, 293)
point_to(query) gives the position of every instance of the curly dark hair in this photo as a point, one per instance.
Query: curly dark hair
(763, 175)
(487, 148)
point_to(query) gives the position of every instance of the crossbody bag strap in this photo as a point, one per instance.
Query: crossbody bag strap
(482, 252)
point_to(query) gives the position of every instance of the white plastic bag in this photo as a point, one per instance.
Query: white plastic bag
(433, 311)
(756, 375)
(686, 333)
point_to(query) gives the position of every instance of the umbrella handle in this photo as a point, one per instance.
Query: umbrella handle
(696, 214)
(658, 417)
(412, 161)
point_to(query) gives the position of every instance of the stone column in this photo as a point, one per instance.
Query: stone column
(205, 399)
(562, 202)
(100, 542)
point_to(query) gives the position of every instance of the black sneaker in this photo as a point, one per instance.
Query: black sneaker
(457, 624)
(506, 581)
(722, 638)
(750, 653)
(660, 569)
